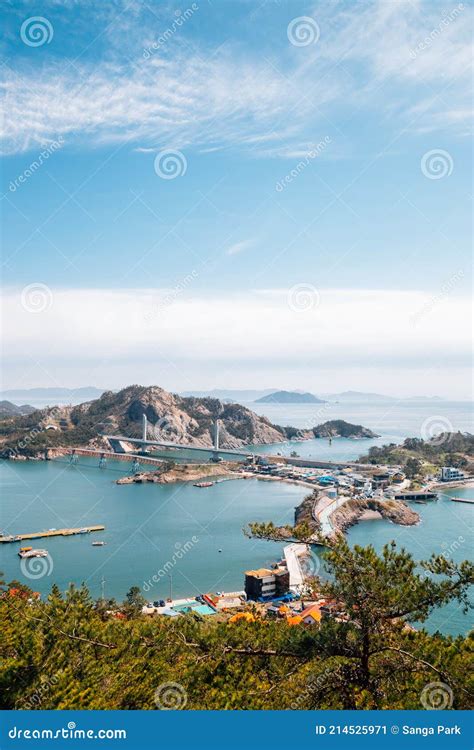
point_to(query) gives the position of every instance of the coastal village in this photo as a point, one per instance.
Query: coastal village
(286, 590)
(340, 494)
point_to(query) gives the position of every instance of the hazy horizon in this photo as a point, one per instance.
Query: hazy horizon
(279, 193)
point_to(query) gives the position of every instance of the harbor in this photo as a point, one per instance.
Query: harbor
(148, 527)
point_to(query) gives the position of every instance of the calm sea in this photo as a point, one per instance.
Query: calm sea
(191, 539)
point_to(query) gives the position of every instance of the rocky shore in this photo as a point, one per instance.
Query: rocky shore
(184, 473)
(354, 511)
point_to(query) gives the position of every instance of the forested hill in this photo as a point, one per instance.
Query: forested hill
(70, 652)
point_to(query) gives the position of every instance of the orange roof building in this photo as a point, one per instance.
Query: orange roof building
(311, 615)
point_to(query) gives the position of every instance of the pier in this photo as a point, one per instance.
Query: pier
(417, 496)
(51, 532)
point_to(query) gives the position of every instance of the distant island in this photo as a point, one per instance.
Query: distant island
(289, 397)
(8, 409)
(340, 428)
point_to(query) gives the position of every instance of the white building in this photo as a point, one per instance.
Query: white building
(450, 474)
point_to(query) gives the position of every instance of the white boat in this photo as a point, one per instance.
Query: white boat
(33, 553)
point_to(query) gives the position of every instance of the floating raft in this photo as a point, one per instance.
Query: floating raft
(462, 500)
(52, 532)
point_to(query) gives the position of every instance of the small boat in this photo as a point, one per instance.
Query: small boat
(469, 500)
(33, 553)
(203, 484)
(99, 544)
(83, 531)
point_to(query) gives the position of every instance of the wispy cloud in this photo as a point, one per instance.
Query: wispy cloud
(239, 247)
(370, 55)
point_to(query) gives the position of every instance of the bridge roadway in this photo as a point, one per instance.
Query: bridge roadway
(302, 462)
(182, 446)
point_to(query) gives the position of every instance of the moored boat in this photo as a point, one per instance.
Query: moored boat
(469, 500)
(203, 484)
(29, 552)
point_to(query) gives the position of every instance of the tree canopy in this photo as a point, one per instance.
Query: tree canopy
(70, 651)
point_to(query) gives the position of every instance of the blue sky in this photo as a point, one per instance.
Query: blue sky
(321, 146)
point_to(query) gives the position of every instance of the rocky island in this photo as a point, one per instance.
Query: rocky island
(340, 428)
(183, 420)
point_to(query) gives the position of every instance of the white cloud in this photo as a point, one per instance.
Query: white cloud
(239, 97)
(344, 328)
